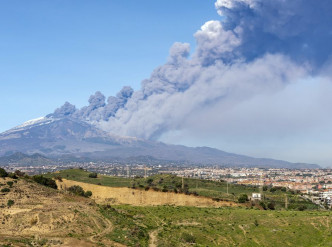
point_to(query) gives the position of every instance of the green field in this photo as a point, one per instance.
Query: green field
(190, 226)
(207, 188)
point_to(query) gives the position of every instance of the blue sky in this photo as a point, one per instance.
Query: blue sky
(258, 81)
(65, 50)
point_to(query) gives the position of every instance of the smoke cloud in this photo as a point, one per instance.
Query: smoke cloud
(258, 47)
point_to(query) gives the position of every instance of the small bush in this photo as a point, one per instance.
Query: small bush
(188, 238)
(88, 193)
(271, 206)
(45, 181)
(150, 181)
(262, 204)
(58, 177)
(93, 175)
(77, 190)
(256, 222)
(3, 173)
(302, 208)
(19, 173)
(243, 198)
(273, 189)
(12, 175)
(10, 203)
(10, 183)
(5, 190)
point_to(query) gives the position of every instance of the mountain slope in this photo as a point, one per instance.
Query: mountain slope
(67, 137)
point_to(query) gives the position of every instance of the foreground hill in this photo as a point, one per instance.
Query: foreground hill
(68, 138)
(42, 216)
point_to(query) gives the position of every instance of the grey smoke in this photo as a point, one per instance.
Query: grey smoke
(259, 47)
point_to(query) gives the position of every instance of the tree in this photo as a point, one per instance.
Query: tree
(93, 175)
(243, 198)
(10, 203)
(77, 190)
(88, 193)
(262, 204)
(19, 173)
(45, 181)
(3, 173)
(5, 190)
(10, 183)
(271, 206)
(273, 189)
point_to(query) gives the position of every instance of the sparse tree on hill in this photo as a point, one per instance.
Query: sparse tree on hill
(93, 175)
(3, 173)
(243, 198)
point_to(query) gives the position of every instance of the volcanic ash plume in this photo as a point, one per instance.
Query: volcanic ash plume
(258, 47)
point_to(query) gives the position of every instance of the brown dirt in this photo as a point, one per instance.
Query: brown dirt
(122, 195)
(41, 213)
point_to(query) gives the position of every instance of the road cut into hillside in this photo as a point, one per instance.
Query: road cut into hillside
(122, 195)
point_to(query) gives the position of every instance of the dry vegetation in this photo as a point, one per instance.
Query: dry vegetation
(123, 195)
(44, 216)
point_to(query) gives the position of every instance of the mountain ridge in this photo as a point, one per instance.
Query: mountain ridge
(54, 138)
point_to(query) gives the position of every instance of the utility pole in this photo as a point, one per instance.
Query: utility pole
(145, 172)
(286, 202)
(261, 187)
(128, 172)
(227, 187)
(182, 183)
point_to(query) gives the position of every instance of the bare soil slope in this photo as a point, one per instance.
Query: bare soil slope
(123, 195)
(41, 215)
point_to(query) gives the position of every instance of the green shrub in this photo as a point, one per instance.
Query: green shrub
(271, 206)
(243, 198)
(5, 190)
(77, 190)
(273, 189)
(19, 173)
(45, 181)
(256, 222)
(93, 175)
(12, 175)
(10, 183)
(10, 203)
(188, 238)
(262, 204)
(3, 173)
(88, 193)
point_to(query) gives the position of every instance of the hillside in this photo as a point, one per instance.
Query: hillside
(41, 216)
(69, 139)
(203, 188)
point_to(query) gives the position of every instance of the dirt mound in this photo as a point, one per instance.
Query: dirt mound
(40, 214)
(122, 195)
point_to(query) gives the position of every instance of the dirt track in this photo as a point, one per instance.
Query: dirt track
(122, 195)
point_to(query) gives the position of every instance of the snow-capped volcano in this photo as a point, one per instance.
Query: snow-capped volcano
(65, 136)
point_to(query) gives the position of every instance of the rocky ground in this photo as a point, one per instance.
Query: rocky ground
(42, 216)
